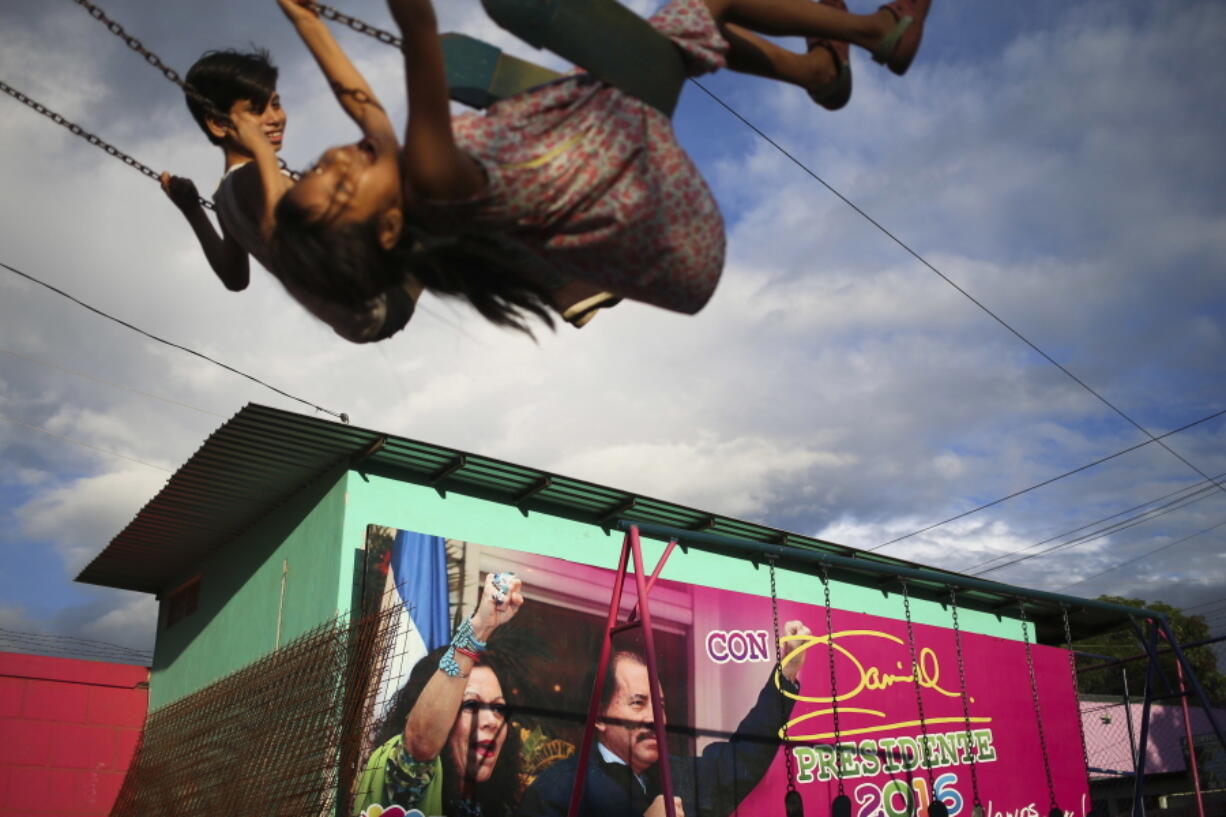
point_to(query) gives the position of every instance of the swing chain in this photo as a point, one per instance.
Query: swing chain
(96, 141)
(925, 749)
(1034, 693)
(834, 690)
(357, 25)
(170, 74)
(783, 732)
(972, 753)
(153, 59)
(1072, 668)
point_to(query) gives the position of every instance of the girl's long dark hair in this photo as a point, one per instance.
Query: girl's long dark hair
(497, 796)
(346, 265)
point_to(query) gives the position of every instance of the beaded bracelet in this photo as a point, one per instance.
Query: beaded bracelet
(472, 656)
(466, 640)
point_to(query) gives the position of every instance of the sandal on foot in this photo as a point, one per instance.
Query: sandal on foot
(579, 313)
(902, 42)
(836, 93)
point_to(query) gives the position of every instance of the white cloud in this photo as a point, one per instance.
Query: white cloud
(81, 516)
(130, 623)
(735, 476)
(833, 385)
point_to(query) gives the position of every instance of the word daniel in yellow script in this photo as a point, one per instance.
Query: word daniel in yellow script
(926, 672)
(892, 755)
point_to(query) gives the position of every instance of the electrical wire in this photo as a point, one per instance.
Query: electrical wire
(1197, 494)
(1121, 527)
(1049, 481)
(1204, 604)
(1144, 555)
(6, 418)
(109, 383)
(1016, 333)
(1195, 488)
(342, 416)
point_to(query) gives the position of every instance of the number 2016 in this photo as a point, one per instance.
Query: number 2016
(897, 799)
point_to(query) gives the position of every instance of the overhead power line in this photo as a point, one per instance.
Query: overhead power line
(1056, 478)
(82, 444)
(1192, 495)
(343, 417)
(109, 382)
(1144, 555)
(1016, 333)
(1204, 604)
(1120, 527)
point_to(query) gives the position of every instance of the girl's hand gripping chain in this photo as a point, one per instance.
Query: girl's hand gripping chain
(247, 129)
(350, 87)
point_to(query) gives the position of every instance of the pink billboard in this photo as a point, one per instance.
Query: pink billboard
(879, 737)
(518, 646)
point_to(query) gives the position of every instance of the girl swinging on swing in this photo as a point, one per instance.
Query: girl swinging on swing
(573, 192)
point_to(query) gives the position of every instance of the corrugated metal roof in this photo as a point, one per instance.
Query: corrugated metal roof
(262, 456)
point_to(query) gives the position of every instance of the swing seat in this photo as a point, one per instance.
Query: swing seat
(480, 74)
(602, 37)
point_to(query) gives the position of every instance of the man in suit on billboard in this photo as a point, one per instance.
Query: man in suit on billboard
(623, 777)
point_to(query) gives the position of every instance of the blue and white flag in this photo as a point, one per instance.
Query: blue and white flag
(417, 581)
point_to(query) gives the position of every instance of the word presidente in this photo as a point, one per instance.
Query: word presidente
(892, 755)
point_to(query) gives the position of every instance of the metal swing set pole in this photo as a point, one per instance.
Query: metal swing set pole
(638, 618)
(1150, 642)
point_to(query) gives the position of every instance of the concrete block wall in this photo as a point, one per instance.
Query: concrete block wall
(68, 731)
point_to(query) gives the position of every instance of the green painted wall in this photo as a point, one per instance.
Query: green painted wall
(321, 533)
(240, 592)
(381, 501)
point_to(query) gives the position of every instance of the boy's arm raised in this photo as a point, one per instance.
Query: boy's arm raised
(350, 87)
(227, 258)
(433, 165)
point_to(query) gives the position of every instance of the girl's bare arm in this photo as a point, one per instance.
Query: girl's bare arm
(351, 89)
(433, 165)
(249, 133)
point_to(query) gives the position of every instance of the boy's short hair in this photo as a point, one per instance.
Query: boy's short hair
(226, 77)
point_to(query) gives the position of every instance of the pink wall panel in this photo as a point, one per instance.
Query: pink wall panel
(68, 730)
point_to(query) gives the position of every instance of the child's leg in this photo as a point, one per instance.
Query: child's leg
(750, 54)
(804, 18)
(884, 32)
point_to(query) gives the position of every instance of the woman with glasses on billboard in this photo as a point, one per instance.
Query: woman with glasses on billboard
(447, 746)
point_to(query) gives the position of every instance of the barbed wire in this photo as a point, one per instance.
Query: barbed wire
(71, 646)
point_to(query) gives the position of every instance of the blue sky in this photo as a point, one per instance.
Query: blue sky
(1060, 161)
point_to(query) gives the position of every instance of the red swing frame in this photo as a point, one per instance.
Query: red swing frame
(638, 617)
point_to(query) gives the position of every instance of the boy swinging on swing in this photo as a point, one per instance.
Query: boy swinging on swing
(243, 86)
